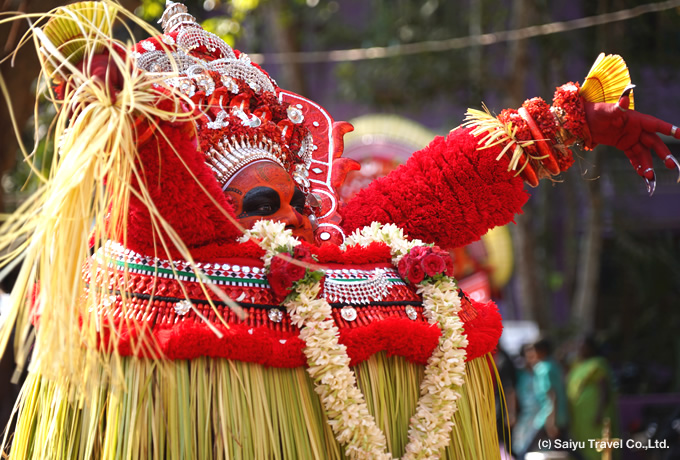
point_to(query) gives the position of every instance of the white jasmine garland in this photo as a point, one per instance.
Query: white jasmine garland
(274, 238)
(389, 234)
(328, 361)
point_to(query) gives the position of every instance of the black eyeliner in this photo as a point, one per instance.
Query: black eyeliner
(258, 197)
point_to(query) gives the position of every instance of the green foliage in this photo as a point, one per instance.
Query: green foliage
(220, 17)
(639, 298)
(224, 27)
(407, 81)
(150, 9)
(22, 180)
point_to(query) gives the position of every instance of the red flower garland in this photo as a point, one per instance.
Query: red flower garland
(424, 261)
(450, 193)
(540, 112)
(523, 132)
(572, 114)
(546, 123)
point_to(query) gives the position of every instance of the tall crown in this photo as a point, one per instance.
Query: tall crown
(229, 155)
(176, 15)
(242, 116)
(239, 118)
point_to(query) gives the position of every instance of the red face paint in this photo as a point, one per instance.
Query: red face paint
(264, 190)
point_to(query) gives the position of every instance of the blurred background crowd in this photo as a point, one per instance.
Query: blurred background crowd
(576, 396)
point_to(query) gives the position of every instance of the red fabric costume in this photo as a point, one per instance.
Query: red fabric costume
(186, 131)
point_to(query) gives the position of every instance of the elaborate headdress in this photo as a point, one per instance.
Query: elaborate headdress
(239, 118)
(242, 116)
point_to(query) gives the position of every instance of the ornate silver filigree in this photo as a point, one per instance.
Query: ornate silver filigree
(357, 291)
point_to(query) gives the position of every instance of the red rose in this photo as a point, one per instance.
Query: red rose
(418, 252)
(424, 261)
(283, 274)
(449, 265)
(303, 254)
(279, 284)
(433, 264)
(415, 273)
(448, 259)
(402, 268)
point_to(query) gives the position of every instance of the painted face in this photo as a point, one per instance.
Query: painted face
(264, 190)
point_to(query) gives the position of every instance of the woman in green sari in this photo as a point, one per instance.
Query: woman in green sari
(591, 396)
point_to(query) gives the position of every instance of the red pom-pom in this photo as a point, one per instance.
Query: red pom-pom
(180, 185)
(572, 113)
(450, 193)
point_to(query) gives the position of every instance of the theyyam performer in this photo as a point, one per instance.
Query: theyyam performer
(191, 286)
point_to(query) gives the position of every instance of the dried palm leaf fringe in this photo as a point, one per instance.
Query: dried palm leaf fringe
(219, 409)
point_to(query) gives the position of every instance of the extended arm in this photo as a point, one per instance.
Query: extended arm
(459, 187)
(449, 193)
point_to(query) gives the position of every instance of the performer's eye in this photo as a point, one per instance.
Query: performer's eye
(260, 201)
(298, 201)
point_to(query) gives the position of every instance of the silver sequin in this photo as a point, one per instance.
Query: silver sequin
(295, 115)
(411, 312)
(348, 313)
(275, 315)
(182, 307)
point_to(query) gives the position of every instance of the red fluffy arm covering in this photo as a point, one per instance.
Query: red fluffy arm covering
(450, 193)
(179, 183)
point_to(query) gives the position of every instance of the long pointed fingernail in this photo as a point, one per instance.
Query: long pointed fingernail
(624, 95)
(651, 185)
(668, 165)
(627, 91)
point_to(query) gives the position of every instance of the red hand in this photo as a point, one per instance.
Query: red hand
(632, 132)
